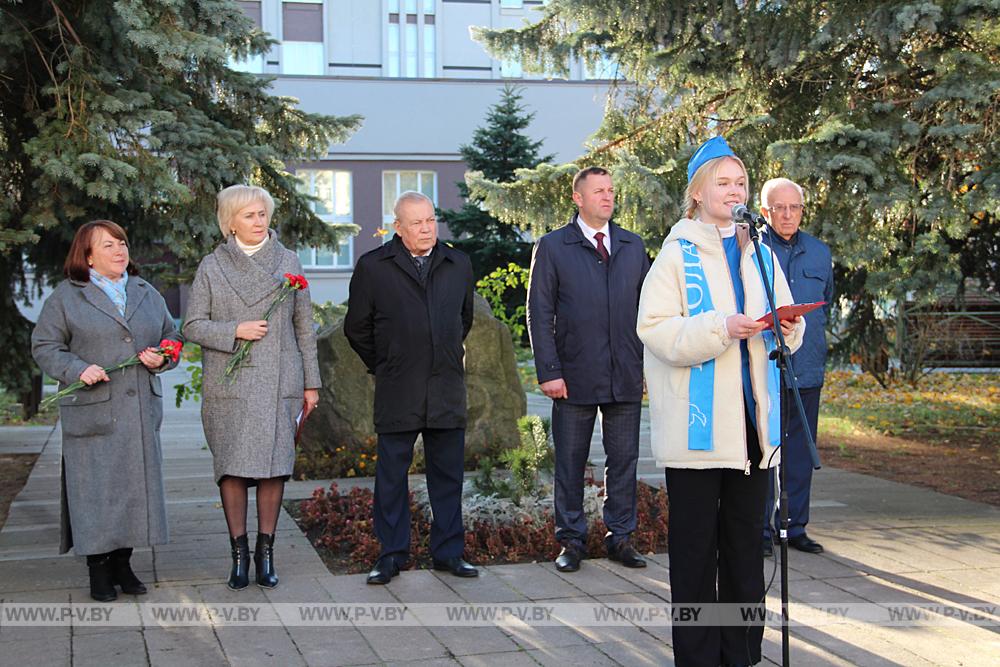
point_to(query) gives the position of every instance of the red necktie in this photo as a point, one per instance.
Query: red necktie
(601, 250)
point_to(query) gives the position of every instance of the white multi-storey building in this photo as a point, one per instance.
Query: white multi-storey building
(423, 85)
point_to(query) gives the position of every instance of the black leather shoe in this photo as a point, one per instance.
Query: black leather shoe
(239, 575)
(768, 549)
(569, 559)
(263, 560)
(122, 574)
(803, 543)
(383, 571)
(102, 586)
(457, 566)
(626, 554)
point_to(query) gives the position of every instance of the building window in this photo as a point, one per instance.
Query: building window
(394, 183)
(333, 189)
(511, 4)
(302, 50)
(511, 69)
(604, 68)
(411, 39)
(253, 64)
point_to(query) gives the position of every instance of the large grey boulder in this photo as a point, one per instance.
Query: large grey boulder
(495, 396)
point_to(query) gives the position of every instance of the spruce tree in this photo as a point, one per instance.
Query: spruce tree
(885, 111)
(129, 110)
(498, 149)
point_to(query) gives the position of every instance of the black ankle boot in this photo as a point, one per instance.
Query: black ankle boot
(102, 586)
(122, 574)
(239, 576)
(263, 560)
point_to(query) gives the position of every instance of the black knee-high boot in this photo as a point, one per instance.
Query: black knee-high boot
(122, 574)
(263, 559)
(239, 576)
(102, 586)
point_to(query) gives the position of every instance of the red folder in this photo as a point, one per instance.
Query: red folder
(790, 312)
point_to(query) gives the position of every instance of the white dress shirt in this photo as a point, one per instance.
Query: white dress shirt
(590, 232)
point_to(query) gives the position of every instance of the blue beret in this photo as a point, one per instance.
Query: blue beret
(711, 149)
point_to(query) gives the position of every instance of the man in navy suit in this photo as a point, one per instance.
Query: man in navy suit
(583, 300)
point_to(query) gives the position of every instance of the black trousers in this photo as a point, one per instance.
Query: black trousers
(444, 450)
(572, 429)
(714, 542)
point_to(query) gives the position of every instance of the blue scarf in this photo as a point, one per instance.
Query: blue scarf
(114, 289)
(701, 384)
(773, 375)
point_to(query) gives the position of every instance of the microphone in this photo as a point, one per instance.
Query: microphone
(741, 213)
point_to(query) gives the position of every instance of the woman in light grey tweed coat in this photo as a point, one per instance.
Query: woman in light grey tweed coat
(112, 480)
(250, 423)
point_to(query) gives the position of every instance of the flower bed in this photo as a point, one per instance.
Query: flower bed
(498, 530)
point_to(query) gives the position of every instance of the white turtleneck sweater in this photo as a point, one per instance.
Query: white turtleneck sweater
(250, 249)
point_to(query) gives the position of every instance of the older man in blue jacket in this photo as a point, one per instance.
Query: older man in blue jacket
(583, 300)
(808, 266)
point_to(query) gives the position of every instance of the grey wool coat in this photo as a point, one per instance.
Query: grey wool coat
(250, 423)
(112, 481)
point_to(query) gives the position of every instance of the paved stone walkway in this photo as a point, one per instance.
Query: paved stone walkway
(886, 543)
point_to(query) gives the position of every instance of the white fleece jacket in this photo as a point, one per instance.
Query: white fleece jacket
(674, 341)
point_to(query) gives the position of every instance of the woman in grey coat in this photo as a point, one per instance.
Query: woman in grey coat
(250, 418)
(112, 483)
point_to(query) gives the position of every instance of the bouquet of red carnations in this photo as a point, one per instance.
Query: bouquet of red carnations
(291, 284)
(170, 349)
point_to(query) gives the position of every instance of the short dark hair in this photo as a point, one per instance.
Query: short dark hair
(76, 266)
(584, 173)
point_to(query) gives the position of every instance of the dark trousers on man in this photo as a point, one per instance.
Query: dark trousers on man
(572, 429)
(798, 470)
(714, 544)
(444, 451)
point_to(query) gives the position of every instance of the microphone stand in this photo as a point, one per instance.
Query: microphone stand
(783, 356)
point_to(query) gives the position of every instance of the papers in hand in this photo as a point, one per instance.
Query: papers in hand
(299, 423)
(790, 312)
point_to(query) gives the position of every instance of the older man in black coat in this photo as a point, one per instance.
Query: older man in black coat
(583, 300)
(409, 311)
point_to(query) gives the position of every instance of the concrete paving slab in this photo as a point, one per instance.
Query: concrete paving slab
(536, 581)
(799, 654)
(487, 587)
(471, 640)
(55, 652)
(433, 662)
(509, 659)
(578, 655)
(544, 637)
(654, 578)
(422, 585)
(395, 644)
(184, 647)
(259, 646)
(124, 648)
(593, 579)
(323, 647)
(641, 652)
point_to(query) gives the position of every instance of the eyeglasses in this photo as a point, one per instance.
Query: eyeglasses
(781, 209)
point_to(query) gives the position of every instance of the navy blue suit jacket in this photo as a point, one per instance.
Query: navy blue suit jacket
(582, 314)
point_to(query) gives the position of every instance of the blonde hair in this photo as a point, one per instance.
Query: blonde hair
(233, 199)
(706, 173)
